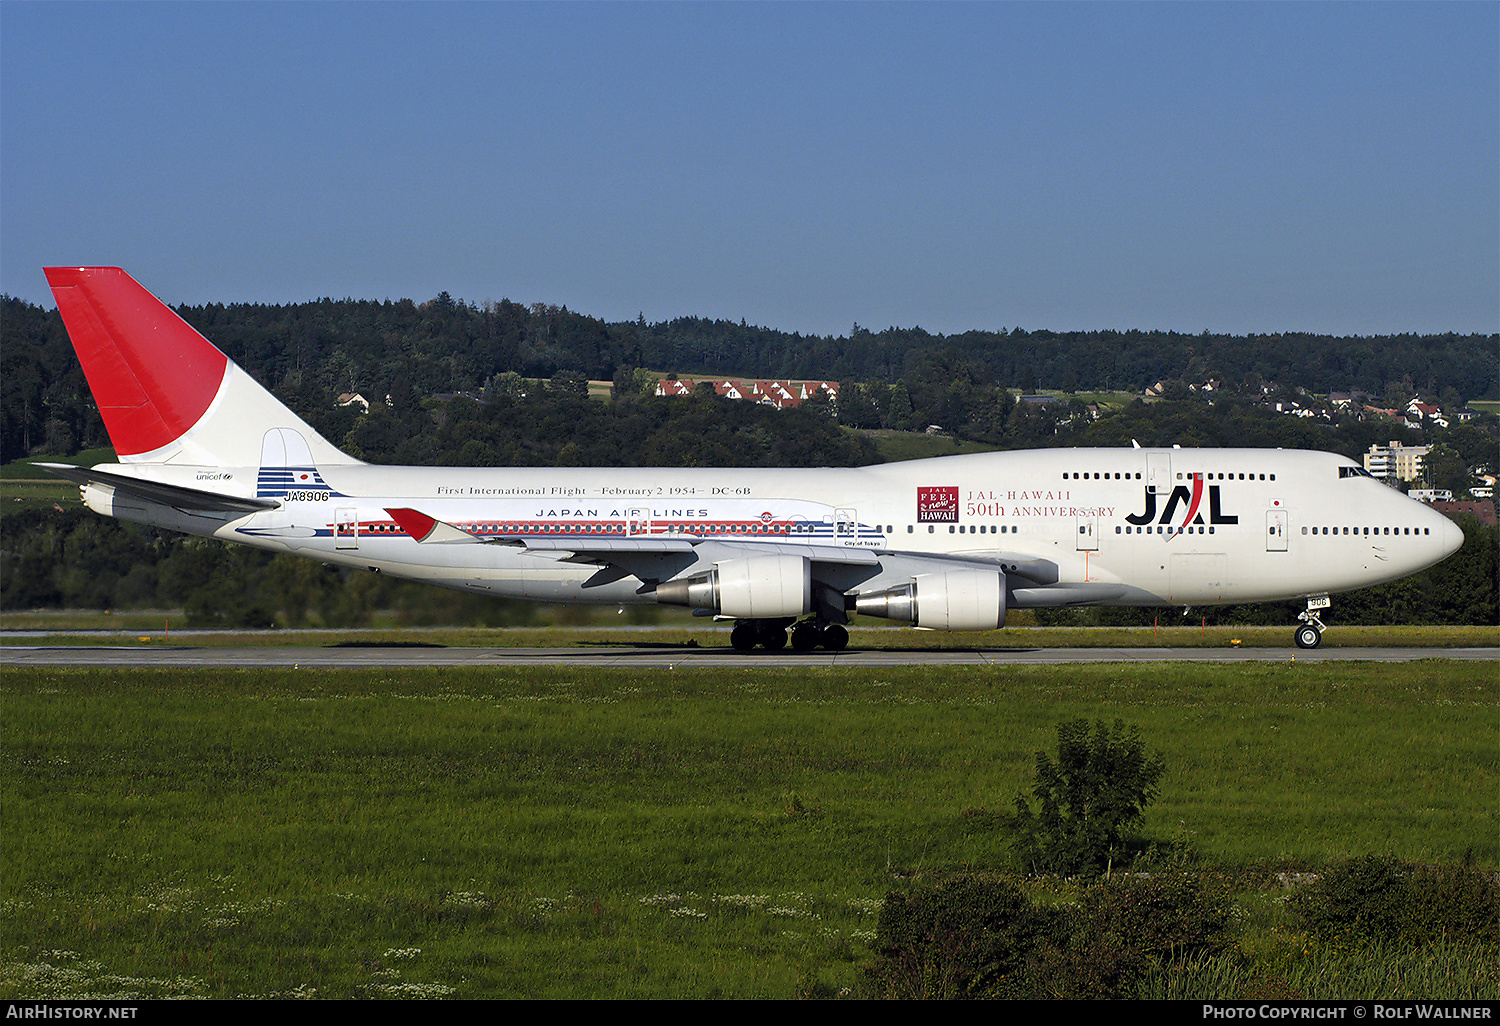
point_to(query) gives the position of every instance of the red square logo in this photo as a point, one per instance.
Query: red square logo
(939, 504)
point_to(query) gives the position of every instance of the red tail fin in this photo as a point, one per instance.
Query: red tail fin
(152, 375)
(165, 392)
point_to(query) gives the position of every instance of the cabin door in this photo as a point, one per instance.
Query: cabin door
(1275, 530)
(346, 528)
(1088, 534)
(1159, 472)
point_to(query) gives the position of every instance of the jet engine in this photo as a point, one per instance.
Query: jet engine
(956, 600)
(751, 588)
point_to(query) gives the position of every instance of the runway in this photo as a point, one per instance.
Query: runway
(649, 656)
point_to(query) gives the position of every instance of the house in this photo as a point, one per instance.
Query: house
(674, 386)
(1419, 411)
(809, 389)
(775, 393)
(780, 394)
(354, 399)
(1395, 462)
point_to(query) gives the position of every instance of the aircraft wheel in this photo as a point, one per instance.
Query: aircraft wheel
(805, 637)
(743, 637)
(773, 638)
(1308, 636)
(835, 638)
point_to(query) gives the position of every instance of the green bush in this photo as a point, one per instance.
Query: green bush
(985, 938)
(1087, 800)
(965, 938)
(1163, 918)
(1377, 898)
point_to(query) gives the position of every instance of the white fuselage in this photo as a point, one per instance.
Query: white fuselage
(1112, 526)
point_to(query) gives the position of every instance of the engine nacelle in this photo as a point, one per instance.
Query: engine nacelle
(755, 587)
(957, 600)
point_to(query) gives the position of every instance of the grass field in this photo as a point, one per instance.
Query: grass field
(549, 833)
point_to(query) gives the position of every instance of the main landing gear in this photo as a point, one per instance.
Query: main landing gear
(772, 635)
(1310, 634)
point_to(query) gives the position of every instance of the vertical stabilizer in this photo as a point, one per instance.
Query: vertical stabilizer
(166, 394)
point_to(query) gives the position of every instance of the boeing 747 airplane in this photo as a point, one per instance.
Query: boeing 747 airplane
(949, 543)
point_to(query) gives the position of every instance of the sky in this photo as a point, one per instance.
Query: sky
(1226, 167)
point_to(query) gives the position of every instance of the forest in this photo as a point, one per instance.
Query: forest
(908, 378)
(507, 385)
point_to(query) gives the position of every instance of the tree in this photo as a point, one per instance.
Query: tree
(1087, 799)
(1444, 468)
(899, 410)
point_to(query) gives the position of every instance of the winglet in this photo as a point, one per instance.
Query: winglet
(428, 529)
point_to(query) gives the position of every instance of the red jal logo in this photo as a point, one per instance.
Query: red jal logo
(937, 504)
(1192, 500)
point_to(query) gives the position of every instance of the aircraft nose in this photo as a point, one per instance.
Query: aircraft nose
(1453, 537)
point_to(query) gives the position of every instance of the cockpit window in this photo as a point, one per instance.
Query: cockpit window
(1354, 472)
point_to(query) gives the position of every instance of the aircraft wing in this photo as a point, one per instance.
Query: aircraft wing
(167, 494)
(651, 559)
(654, 560)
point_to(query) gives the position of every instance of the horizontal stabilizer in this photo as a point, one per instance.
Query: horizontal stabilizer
(169, 495)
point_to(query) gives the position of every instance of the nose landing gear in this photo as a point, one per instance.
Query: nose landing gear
(1310, 634)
